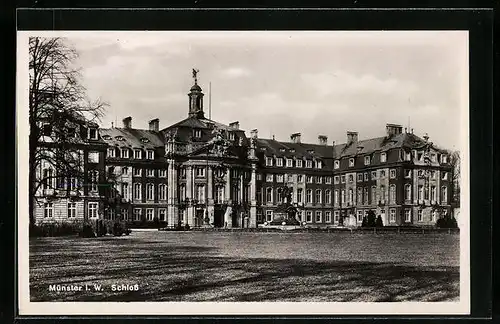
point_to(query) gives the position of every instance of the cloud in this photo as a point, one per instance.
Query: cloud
(236, 72)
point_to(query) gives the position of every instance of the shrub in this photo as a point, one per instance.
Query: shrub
(447, 222)
(187, 227)
(379, 222)
(87, 230)
(54, 229)
(371, 219)
(365, 222)
(101, 227)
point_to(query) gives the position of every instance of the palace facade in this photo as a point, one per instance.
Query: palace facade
(203, 173)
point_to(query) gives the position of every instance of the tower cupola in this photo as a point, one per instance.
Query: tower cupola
(196, 98)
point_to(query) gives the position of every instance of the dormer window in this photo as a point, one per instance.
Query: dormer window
(106, 137)
(319, 164)
(367, 160)
(197, 133)
(111, 152)
(408, 156)
(124, 153)
(383, 157)
(282, 150)
(137, 154)
(433, 157)
(336, 164)
(289, 163)
(444, 158)
(279, 162)
(231, 136)
(298, 163)
(292, 150)
(93, 134)
(269, 161)
(151, 155)
(144, 140)
(351, 162)
(119, 138)
(309, 164)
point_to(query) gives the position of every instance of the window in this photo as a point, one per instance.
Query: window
(407, 192)
(269, 161)
(351, 178)
(137, 191)
(360, 196)
(48, 210)
(150, 172)
(269, 178)
(393, 174)
(392, 194)
(328, 216)
(382, 193)
(219, 194)
(269, 195)
(342, 194)
(383, 157)
(298, 163)
(182, 192)
(360, 216)
(71, 210)
(308, 196)
(309, 179)
(151, 155)
(382, 173)
(420, 216)
(374, 175)
(336, 164)
(336, 197)
(309, 216)
(426, 192)
(309, 164)
(444, 158)
(137, 154)
(351, 162)
(93, 134)
(318, 216)
(300, 178)
(137, 214)
(408, 156)
(279, 196)
(200, 193)
(407, 215)
(231, 136)
(197, 133)
(73, 183)
(351, 197)
(137, 172)
(150, 191)
(319, 164)
(444, 175)
(279, 178)
(434, 215)
(319, 179)
(433, 157)
(407, 173)
(336, 216)
(290, 178)
(124, 170)
(336, 179)
(300, 193)
(433, 174)
(125, 214)
(124, 190)
(48, 179)
(93, 157)
(111, 214)
(93, 206)
(419, 156)
(328, 196)
(289, 163)
(367, 160)
(342, 178)
(374, 195)
(420, 194)
(328, 180)
(360, 177)
(200, 172)
(392, 215)
(269, 215)
(365, 195)
(162, 173)
(162, 213)
(444, 194)
(111, 152)
(300, 216)
(94, 179)
(365, 177)
(279, 162)
(318, 197)
(124, 153)
(433, 193)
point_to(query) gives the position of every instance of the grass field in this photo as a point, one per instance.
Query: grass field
(198, 266)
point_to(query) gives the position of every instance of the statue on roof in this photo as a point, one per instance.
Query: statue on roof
(195, 75)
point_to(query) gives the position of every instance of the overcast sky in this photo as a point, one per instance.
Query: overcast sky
(284, 82)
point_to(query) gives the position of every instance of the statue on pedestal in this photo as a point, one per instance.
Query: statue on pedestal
(285, 213)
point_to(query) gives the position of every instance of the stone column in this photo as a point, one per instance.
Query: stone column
(253, 199)
(172, 208)
(210, 198)
(189, 196)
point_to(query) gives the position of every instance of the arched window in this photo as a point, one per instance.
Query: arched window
(137, 191)
(279, 195)
(269, 195)
(392, 194)
(318, 196)
(351, 196)
(444, 194)
(360, 196)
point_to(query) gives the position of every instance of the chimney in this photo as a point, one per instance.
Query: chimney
(352, 137)
(127, 122)
(295, 137)
(235, 125)
(154, 125)
(323, 139)
(254, 133)
(393, 129)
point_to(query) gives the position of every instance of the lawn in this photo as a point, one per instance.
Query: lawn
(200, 266)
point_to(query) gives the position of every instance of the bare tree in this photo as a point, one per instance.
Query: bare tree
(455, 163)
(58, 107)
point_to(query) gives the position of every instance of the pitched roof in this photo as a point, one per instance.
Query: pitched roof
(194, 122)
(368, 146)
(139, 138)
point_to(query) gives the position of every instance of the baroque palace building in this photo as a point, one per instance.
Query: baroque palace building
(203, 173)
